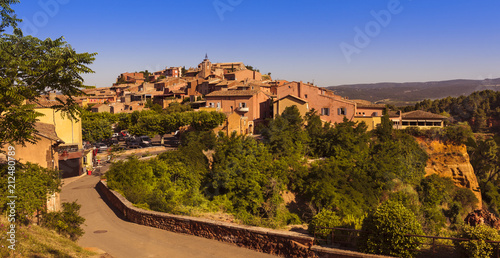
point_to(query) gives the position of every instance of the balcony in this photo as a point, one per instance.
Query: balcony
(243, 109)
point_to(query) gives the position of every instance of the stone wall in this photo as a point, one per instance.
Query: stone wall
(287, 244)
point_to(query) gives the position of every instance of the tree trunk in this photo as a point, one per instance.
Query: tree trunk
(162, 140)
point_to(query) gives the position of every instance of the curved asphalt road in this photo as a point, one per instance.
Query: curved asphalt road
(105, 229)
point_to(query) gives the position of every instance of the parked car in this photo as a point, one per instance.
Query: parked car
(113, 141)
(101, 147)
(122, 136)
(145, 141)
(133, 144)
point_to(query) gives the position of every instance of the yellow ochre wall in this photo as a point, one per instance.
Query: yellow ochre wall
(69, 131)
(371, 122)
(281, 105)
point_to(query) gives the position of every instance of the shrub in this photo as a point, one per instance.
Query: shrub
(66, 222)
(477, 247)
(385, 229)
(324, 219)
(458, 134)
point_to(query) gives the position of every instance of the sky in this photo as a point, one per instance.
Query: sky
(329, 42)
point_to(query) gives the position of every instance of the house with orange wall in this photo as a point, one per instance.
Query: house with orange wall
(252, 106)
(331, 108)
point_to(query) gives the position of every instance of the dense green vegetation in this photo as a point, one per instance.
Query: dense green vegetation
(388, 224)
(156, 121)
(339, 170)
(476, 109)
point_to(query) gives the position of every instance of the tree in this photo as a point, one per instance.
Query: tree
(66, 222)
(477, 247)
(384, 130)
(8, 20)
(486, 159)
(96, 126)
(29, 68)
(285, 134)
(32, 190)
(386, 228)
(203, 120)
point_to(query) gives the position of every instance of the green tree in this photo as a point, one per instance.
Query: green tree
(30, 67)
(35, 184)
(384, 130)
(206, 120)
(66, 222)
(485, 159)
(386, 228)
(239, 170)
(285, 134)
(477, 247)
(96, 126)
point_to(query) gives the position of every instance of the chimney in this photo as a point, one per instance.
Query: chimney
(52, 96)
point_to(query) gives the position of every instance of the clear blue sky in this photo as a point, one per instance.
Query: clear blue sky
(422, 40)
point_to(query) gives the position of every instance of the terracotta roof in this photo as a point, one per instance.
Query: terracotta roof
(233, 93)
(393, 113)
(48, 131)
(292, 96)
(371, 106)
(420, 114)
(44, 102)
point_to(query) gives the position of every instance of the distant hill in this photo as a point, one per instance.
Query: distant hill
(411, 92)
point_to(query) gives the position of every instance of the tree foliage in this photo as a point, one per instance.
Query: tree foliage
(33, 186)
(475, 109)
(386, 228)
(66, 222)
(477, 247)
(29, 68)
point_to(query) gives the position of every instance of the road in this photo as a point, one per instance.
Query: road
(106, 230)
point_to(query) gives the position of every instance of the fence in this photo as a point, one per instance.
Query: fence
(346, 238)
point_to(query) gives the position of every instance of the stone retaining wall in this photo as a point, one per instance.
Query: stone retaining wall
(287, 244)
(282, 243)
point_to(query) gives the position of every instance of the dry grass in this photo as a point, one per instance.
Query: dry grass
(35, 241)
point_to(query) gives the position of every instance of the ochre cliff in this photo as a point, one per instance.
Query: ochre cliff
(449, 160)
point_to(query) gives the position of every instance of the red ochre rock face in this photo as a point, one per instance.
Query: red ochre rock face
(450, 160)
(480, 217)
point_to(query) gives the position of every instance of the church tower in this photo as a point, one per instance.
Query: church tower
(206, 67)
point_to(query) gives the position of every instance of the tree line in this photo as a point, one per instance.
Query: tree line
(155, 121)
(478, 109)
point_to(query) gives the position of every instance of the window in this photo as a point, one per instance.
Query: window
(325, 111)
(211, 104)
(342, 111)
(305, 96)
(243, 105)
(218, 104)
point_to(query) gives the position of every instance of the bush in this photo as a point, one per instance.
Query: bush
(385, 229)
(458, 134)
(477, 247)
(324, 219)
(66, 222)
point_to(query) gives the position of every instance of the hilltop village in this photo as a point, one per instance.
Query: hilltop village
(242, 93)
(246, 96)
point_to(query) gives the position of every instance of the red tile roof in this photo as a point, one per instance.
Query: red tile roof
(233, 93)
(420, 114)
(48, 131)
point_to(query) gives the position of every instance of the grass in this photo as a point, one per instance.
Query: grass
(35, 241)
